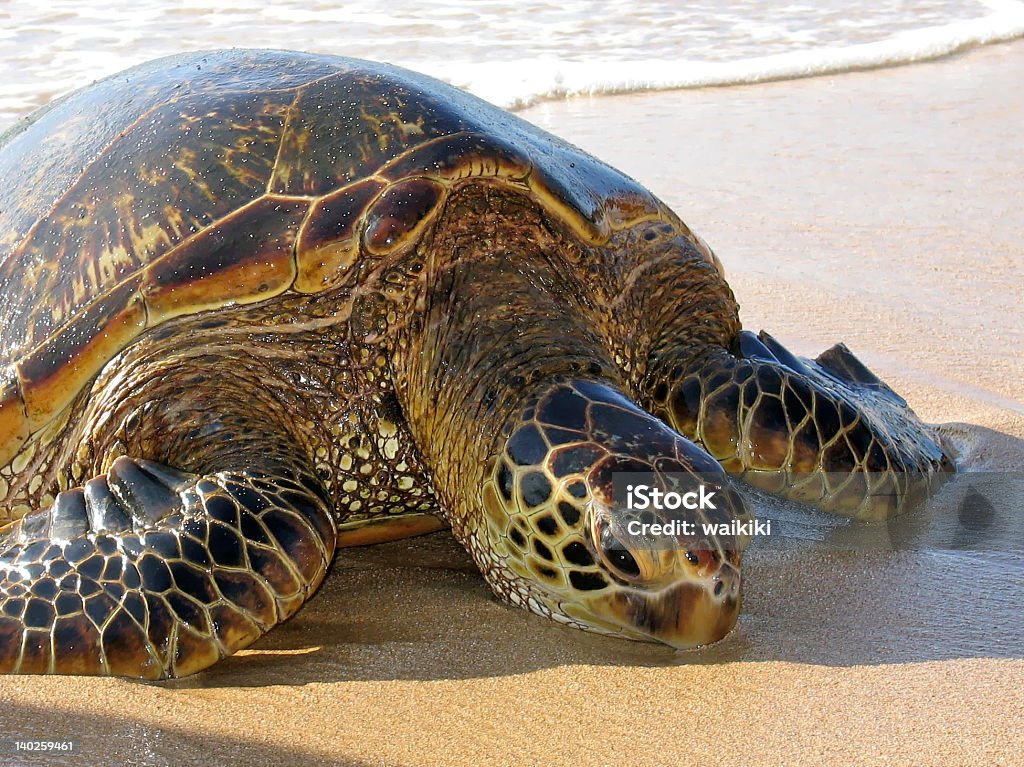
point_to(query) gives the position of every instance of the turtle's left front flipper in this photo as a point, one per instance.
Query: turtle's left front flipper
(826, 431)
(150, 572)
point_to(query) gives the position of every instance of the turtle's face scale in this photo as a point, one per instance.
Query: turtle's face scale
(563, 547)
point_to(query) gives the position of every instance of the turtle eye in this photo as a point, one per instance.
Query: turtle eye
(615, 554)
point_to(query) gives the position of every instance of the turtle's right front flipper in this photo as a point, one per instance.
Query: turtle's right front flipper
(149, 572)
(826, 432)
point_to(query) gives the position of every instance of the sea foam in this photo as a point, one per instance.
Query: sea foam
(520, 84)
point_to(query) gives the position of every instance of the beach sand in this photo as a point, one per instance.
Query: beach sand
(880, 208)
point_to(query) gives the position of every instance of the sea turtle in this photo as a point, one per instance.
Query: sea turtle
(258, 305)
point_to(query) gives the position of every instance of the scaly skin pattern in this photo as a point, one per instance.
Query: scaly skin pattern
(378, 306)
(103, 584)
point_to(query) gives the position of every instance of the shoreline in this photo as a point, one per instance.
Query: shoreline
(851, 60)
(881, 208)
(499, 81)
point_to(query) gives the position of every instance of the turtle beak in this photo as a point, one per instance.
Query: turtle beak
(684, 615)
(698, 609)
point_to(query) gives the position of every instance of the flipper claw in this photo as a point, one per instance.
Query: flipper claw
(782, 354)
(147, 499)
(104, 510)
(842, 364)
(68, 517)
(750, 347)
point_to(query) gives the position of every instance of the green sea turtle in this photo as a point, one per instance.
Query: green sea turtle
(258, 305)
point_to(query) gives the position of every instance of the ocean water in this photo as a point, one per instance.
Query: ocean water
(510, 52)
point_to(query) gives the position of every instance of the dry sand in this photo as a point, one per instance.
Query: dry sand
(881, 208)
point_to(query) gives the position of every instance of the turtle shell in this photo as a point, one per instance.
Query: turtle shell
(201, 181)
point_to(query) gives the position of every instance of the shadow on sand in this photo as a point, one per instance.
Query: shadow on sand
(418, 609)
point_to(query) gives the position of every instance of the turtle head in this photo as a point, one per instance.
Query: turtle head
(565, 543)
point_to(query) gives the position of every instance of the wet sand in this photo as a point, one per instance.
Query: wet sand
(880, 208)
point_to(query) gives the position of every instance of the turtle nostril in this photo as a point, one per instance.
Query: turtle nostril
(692, 558)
